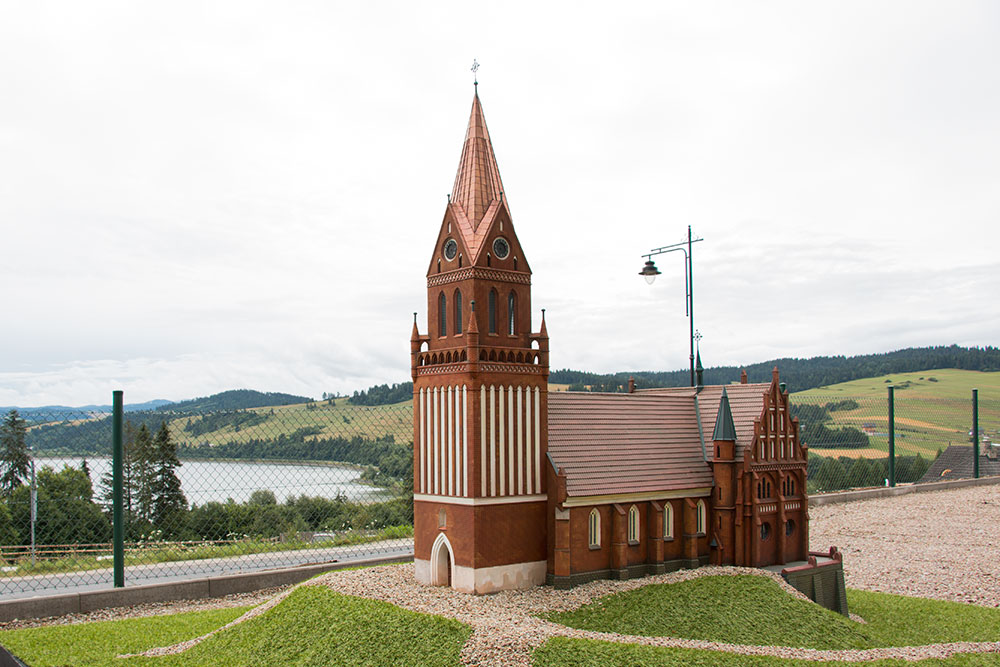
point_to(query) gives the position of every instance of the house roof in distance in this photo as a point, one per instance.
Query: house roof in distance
(956, 463)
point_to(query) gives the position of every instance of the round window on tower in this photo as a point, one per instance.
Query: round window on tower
(450, 249)
(501, 248)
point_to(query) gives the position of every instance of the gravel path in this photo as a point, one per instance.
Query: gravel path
(939, 544)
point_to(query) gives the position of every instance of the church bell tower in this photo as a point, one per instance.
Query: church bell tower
(480, 401)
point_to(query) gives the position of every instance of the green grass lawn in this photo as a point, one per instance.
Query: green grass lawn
(757, 614)
(312, 627)
(98, 643)
(316, 626)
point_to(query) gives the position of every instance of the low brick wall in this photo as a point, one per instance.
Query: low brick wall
(44, 606)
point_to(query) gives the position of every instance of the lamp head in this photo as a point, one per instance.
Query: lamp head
(649, 272)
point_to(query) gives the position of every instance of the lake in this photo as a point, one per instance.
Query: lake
(205, 481)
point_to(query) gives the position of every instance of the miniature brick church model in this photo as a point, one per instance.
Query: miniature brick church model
(515, 486)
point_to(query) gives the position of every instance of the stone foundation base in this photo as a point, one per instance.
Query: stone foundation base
(630, 572)
(482, 580)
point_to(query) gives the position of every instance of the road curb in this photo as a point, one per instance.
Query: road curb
(44, 606)
(886, 491)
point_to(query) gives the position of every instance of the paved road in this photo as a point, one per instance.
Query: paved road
(90, 580)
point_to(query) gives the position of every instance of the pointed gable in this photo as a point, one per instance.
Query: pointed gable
(477, 184)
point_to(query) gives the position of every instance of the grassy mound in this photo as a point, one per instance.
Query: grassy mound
(312, 627)
(97, 644)
(737, 610)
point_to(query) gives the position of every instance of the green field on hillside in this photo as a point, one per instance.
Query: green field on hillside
(933, 409)
(322, 419)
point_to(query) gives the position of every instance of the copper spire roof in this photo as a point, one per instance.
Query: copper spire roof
(477, 183)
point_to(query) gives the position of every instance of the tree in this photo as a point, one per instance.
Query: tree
(66, 513)
(15, 460)
(168, 501)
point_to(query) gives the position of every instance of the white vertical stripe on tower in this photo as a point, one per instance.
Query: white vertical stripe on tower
(482, 440)
(452, 461)
(428, 425)
(432, 423)
(493, 441)
(439, 423)
(510, 435)
(422, 471)
(528, 450)
(453, 441)
(520, 442)
(464, 450)
(503, 446)
(538, 443)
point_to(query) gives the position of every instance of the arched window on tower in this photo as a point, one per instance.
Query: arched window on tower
(633, 524)
(594, 534)
(511, 303)
(442, 315)
(492, 311)
(458, 311)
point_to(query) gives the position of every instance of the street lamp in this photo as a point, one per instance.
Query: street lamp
(649, 272)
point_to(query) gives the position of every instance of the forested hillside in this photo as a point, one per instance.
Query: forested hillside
(235, 399)
(799, 374)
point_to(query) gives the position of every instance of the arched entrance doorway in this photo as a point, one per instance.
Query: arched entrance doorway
(442, 561)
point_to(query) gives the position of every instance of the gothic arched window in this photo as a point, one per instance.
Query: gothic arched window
(458, 311)
(511, 302)
(594, 534)
(633, 524)
(701, 518)
(442, 315)
(492, 311)
(668, 521)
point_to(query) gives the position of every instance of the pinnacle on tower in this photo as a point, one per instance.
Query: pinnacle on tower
(477, 183)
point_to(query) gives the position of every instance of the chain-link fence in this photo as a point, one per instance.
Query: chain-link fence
(203, 494)
(219, 491)
(850, 437)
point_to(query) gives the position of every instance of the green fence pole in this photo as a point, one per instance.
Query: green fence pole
(975, 433)
(892, 438)
(117, 491)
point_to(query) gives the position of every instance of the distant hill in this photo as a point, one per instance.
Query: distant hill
(234, 399)
(799, 374)
(53, 411)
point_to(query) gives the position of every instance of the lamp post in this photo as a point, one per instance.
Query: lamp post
(649, 272)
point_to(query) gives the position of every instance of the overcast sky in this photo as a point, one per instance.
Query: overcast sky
(200, 196)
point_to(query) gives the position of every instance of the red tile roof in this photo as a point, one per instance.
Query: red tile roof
(745, 400)
(626, 443)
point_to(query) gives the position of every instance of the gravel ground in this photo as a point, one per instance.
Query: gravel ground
(940, 544)
(884, 550)
(152, 609)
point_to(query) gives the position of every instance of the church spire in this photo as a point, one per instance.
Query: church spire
(477, 183)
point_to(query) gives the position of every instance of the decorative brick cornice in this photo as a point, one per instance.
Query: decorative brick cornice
(442, 368)
(478, 272)
(509, 368)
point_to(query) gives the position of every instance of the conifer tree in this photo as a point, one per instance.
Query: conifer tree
(15, 460)
(169, 502)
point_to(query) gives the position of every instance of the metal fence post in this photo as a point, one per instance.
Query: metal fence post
(892, 437)
(118, 514)
(975, 433)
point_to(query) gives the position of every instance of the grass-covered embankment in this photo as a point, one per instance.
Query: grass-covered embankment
(313, 626)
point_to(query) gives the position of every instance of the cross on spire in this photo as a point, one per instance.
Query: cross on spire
(475, 68)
